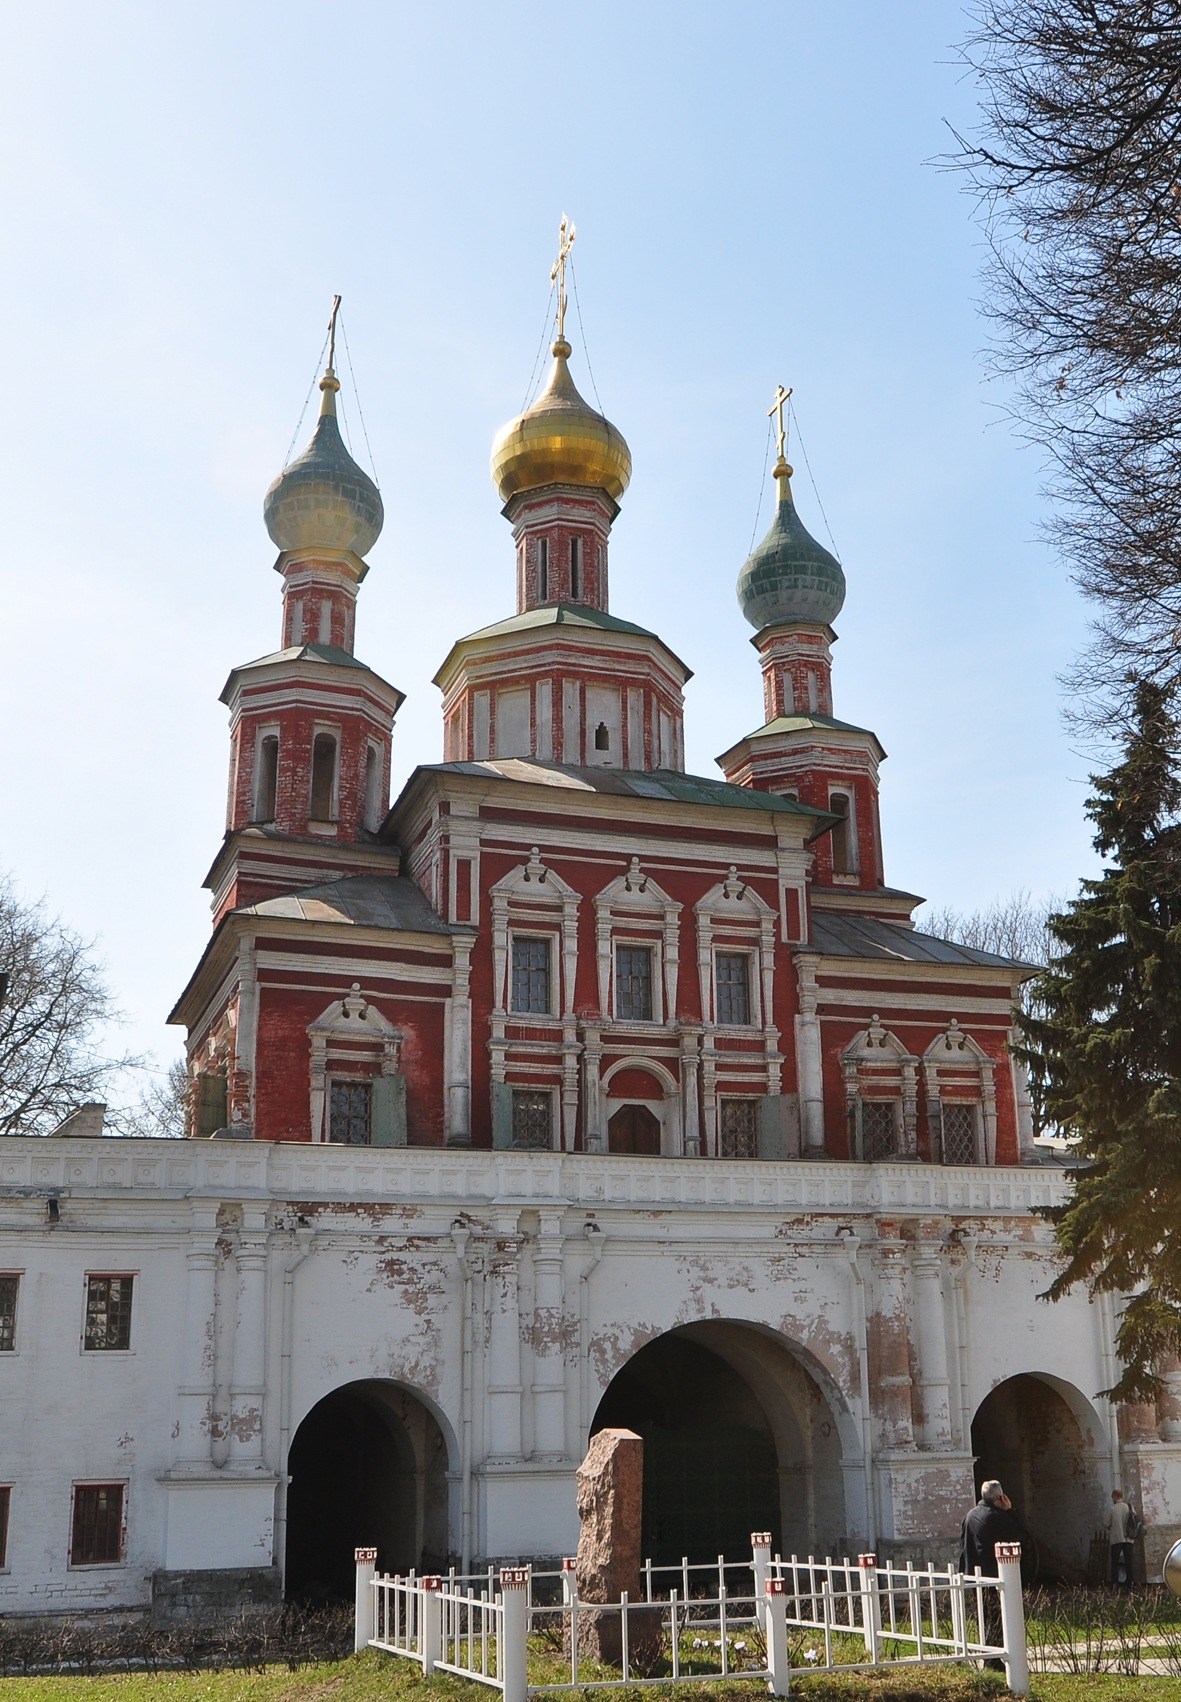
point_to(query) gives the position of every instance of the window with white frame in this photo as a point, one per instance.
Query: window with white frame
(266, 777)
(843, 837)
(732, 978)
(350, 1112)
(97, 1524)
(323, 796)
(738, 1128)
(9, 1289)
(108, 1314)
(533, 1117)
(530, 992)
(633, 983)
(958, 1131)
(877, 1129)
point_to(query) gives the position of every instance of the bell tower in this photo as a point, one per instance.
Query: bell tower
(310, 725)
(791, 589)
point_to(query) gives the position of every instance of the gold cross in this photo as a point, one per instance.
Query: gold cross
(781, 396)
(332, 332)
(566, 235)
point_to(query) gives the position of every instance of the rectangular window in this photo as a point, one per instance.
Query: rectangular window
(350, 1113)
(532, 1119)
(633, 983)
(575, 569)
(211, 1103)
(543, 570)
(959, 1132)
(8, 1292)
(738, 1131)
(97, 1536)
(733, 973)
(531, 980)
(878, 1129)
(108, 1313)
(5, 1503)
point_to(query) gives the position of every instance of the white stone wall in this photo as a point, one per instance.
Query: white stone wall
(269, 1276)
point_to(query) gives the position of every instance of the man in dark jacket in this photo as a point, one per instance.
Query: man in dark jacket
(992, 1520)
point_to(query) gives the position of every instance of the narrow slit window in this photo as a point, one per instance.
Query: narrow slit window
(542, 570)
(323, 777)
(5, 1501)
(350, 1113)
(97, 1535)
(841, 838)
(267, 786)
(575, 569)
(9, 1287)
(602, 737)
(108, 1313)
(531, 976)
(372, 789)
(633, 983)
(733, 972)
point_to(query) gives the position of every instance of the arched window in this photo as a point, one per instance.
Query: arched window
(842, 839)
(323, 778)
(372, 788)
(602, 737)
(576, 575)
(266, 777)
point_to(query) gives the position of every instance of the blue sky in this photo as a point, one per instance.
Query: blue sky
(182, 190)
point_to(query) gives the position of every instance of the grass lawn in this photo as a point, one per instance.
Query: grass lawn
(378, 1678)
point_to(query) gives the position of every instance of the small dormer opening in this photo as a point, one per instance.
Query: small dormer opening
(266, 782)
(576, 580)
(543, 570)
(372, 788)
(323, 778)
(602, 737)
(844, 860)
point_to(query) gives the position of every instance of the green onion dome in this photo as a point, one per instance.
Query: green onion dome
(322, 499)
(790, 578)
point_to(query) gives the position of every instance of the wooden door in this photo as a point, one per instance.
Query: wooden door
(634, 1129)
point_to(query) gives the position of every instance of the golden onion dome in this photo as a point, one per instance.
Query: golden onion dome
(560, 440)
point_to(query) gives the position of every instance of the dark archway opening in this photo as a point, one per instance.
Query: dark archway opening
(635, 1129)
(711, 1469)
(1025, 1435)
(368, 1468)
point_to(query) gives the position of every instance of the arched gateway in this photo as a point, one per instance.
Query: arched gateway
(368, 1467)
(738, 1436)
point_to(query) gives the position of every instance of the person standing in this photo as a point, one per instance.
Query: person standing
(1121, 1534)
(992, 1520)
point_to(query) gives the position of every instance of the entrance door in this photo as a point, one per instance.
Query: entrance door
(634, 1129)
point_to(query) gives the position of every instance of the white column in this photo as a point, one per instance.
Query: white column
(248, 1386)
(457, 1049)
(198, 1345)
(549, 1366)
(504, 1342)
(809, 1063)
(691, 1104)
(934, 1379)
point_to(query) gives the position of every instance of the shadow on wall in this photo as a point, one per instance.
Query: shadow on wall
(368, 1468)
(738, 1437)
(1038, 1436)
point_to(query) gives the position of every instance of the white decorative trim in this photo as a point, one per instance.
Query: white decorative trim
(349, 1019)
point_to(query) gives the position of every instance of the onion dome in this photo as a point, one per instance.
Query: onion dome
(322, 499)
(790, 578)
(560, 440)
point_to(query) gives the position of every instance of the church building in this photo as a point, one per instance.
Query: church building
(569, 1089)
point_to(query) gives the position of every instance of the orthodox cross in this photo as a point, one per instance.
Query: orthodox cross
(781, 396)
(332, 333)
(566, 235)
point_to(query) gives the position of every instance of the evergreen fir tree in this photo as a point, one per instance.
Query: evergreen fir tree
(1103, 1044)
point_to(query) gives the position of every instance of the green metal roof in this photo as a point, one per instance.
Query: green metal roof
(325, 654)
(576, 615)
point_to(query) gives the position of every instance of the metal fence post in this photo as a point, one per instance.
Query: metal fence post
(871, 1621)
(365, 1605)
(760, 1542)
(569, 1580)
(512, 1657)
(430, 1624)
(778, 1656)
(1008, 1556)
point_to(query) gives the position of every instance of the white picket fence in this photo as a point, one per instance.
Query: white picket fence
(860, 1614)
